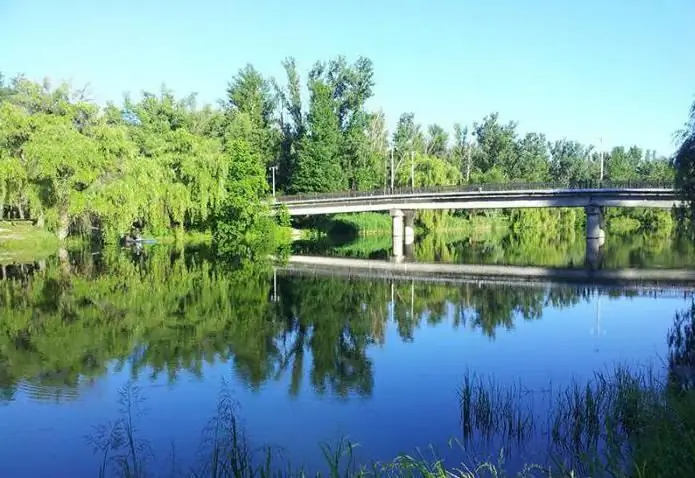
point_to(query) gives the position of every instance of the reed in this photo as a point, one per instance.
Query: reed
(622, 424)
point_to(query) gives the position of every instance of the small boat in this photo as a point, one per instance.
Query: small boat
(138, 240)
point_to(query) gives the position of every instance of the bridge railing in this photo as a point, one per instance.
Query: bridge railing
(480, 187)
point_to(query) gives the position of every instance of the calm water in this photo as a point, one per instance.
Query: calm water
(307, 358)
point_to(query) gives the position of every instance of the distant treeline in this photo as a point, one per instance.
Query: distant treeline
(167, 164)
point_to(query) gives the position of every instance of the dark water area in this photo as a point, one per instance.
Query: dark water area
(306, 358)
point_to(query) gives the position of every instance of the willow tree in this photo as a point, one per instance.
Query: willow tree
(14, 129)
(427, 171)
(684, 162)
(179, 173)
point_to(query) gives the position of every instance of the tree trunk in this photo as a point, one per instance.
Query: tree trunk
(64, 259)
(63, 225)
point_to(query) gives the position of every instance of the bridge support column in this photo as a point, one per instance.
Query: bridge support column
(409, 227)
(592, 258)
(593, 224)
(397, 233)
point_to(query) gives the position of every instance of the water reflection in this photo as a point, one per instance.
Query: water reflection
(292, 341)
(162, 312)
(638, 250)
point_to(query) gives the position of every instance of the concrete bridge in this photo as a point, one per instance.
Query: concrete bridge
(402, 203)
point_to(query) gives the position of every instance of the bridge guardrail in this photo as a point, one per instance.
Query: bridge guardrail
(480, 187)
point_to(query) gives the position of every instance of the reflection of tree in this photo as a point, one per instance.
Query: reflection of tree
(164, 312)
(681, 343)
(538, 238)
(334, 323)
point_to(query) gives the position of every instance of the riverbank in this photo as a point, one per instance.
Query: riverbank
(376, 224)
(21, 241)
(379, 224)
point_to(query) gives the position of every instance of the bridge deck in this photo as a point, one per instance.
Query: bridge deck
(485, 197)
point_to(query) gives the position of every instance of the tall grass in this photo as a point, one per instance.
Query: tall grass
(622, 424)
(627, 423)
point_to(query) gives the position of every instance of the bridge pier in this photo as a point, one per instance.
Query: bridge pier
(592, 258)
(409, 228)
(593, 224)
(397, 233)
(403, 233)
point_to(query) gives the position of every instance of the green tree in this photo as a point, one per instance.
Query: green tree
(684, 162)
(249, 93)
(497, 147)
(318, 167)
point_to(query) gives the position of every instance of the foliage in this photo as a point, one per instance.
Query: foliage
(162, 163)
(684, 162)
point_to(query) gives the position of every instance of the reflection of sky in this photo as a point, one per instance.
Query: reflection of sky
(413, 404)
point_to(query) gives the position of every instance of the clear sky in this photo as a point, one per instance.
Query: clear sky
(623, 70)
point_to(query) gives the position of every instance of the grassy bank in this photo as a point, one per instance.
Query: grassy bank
(377, 224)
(21, 241)
(187, 238)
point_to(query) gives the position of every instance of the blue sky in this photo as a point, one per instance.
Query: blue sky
(623, 70)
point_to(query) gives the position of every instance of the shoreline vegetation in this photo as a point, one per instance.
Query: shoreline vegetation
(629, 423)
(166, 166)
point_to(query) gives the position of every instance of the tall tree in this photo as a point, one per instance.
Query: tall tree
(570, 161)
(497, 147)
(250, 93)
(460, 152)
(532, 163)
(437, 141)
(292, 122)
(318, 165)
(684, 163)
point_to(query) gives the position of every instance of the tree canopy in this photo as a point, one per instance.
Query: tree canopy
(167, 164)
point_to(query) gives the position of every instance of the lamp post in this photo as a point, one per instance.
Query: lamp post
(412, 167)
(469, 147)
(273, 168)
(600, 142)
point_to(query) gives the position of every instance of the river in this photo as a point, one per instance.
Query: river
(306, 354)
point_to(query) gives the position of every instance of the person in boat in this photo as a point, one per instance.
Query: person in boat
(133, 236)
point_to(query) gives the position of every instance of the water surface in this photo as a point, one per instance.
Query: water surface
(308, 358)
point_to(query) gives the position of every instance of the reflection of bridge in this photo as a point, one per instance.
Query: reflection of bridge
(653, 282)
(402, 203)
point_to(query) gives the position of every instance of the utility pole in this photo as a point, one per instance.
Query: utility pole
(468, 163)
(273, 168)
(392, 172)
(412, 169)
(600, 142)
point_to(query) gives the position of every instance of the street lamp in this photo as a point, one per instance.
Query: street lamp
(412, 167)
(600, 142)
(469, 147)
(273, 169)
